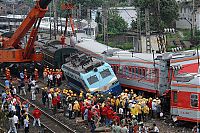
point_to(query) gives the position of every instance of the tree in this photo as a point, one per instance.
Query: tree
(116, 23)
(159, 20)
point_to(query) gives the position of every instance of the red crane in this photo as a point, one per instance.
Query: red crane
(11, 50)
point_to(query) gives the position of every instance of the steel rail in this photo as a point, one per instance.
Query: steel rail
(47, 115)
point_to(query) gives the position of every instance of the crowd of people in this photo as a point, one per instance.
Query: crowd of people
(125, 113)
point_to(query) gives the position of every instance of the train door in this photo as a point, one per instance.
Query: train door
(174, 102)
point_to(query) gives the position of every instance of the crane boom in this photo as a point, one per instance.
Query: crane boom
(11, 50)
(37, 12)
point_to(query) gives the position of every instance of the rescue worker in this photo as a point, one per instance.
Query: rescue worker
(54, 103)
(25, 75)
(26, 123)
(58, 77)
(62, 40)
(76, 108)
(45, 74)
(21, 76)
(36, 114)
(11, 122)
(36, 74)
(7, 74)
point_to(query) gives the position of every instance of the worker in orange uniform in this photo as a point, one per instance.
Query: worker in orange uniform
(25, 75)
(8, 74)
(62, 40)
(36, 74)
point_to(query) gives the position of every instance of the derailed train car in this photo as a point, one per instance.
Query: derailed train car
(55, 53)
(157, 74)
(90, 75)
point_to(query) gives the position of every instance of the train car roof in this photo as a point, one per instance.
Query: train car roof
(193, 82)
(101, 50)
(76, 67)
(52, 46)
(94, 47)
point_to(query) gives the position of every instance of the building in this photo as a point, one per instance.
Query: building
(185, 14)
(127, 13)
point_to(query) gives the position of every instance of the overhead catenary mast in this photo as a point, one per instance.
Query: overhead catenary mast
(138, 46)
(105, 22)
(147, 28)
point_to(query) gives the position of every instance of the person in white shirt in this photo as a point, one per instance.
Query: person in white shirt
(58, 79)
(121, 111)
(33, 92)
(11, 123)
(16, 119)
(26, 125)
(50, 77)
(50, 100)
(14, 91)
(155, 128)
(154, 108)
(70, 110)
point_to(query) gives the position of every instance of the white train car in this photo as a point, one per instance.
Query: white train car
(142, 71)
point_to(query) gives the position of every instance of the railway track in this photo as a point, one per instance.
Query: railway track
(51, 124)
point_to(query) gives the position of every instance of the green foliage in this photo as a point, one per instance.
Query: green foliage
(121, 45)
(89, 3)
(124, 46)
(116, 23)
(168, 13)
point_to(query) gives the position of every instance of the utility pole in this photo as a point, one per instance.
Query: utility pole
(105, 23)
(148, 34)
(50, 10)
(138, 46)
(55, 17)
(193, 18)
(89, 21)
(155, 73)
(79, 16)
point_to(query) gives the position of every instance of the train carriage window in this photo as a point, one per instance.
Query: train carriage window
(175, 97)
(140, 71)
(93, 79)
(133, 71)
(121, 69)
(105, 73)
(117, 69)
(136, 70)
(144, 72)
(127, 71)
(194, 100)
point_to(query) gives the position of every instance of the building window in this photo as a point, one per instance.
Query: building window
(194, 100)
(184, 10)
(175, 97)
